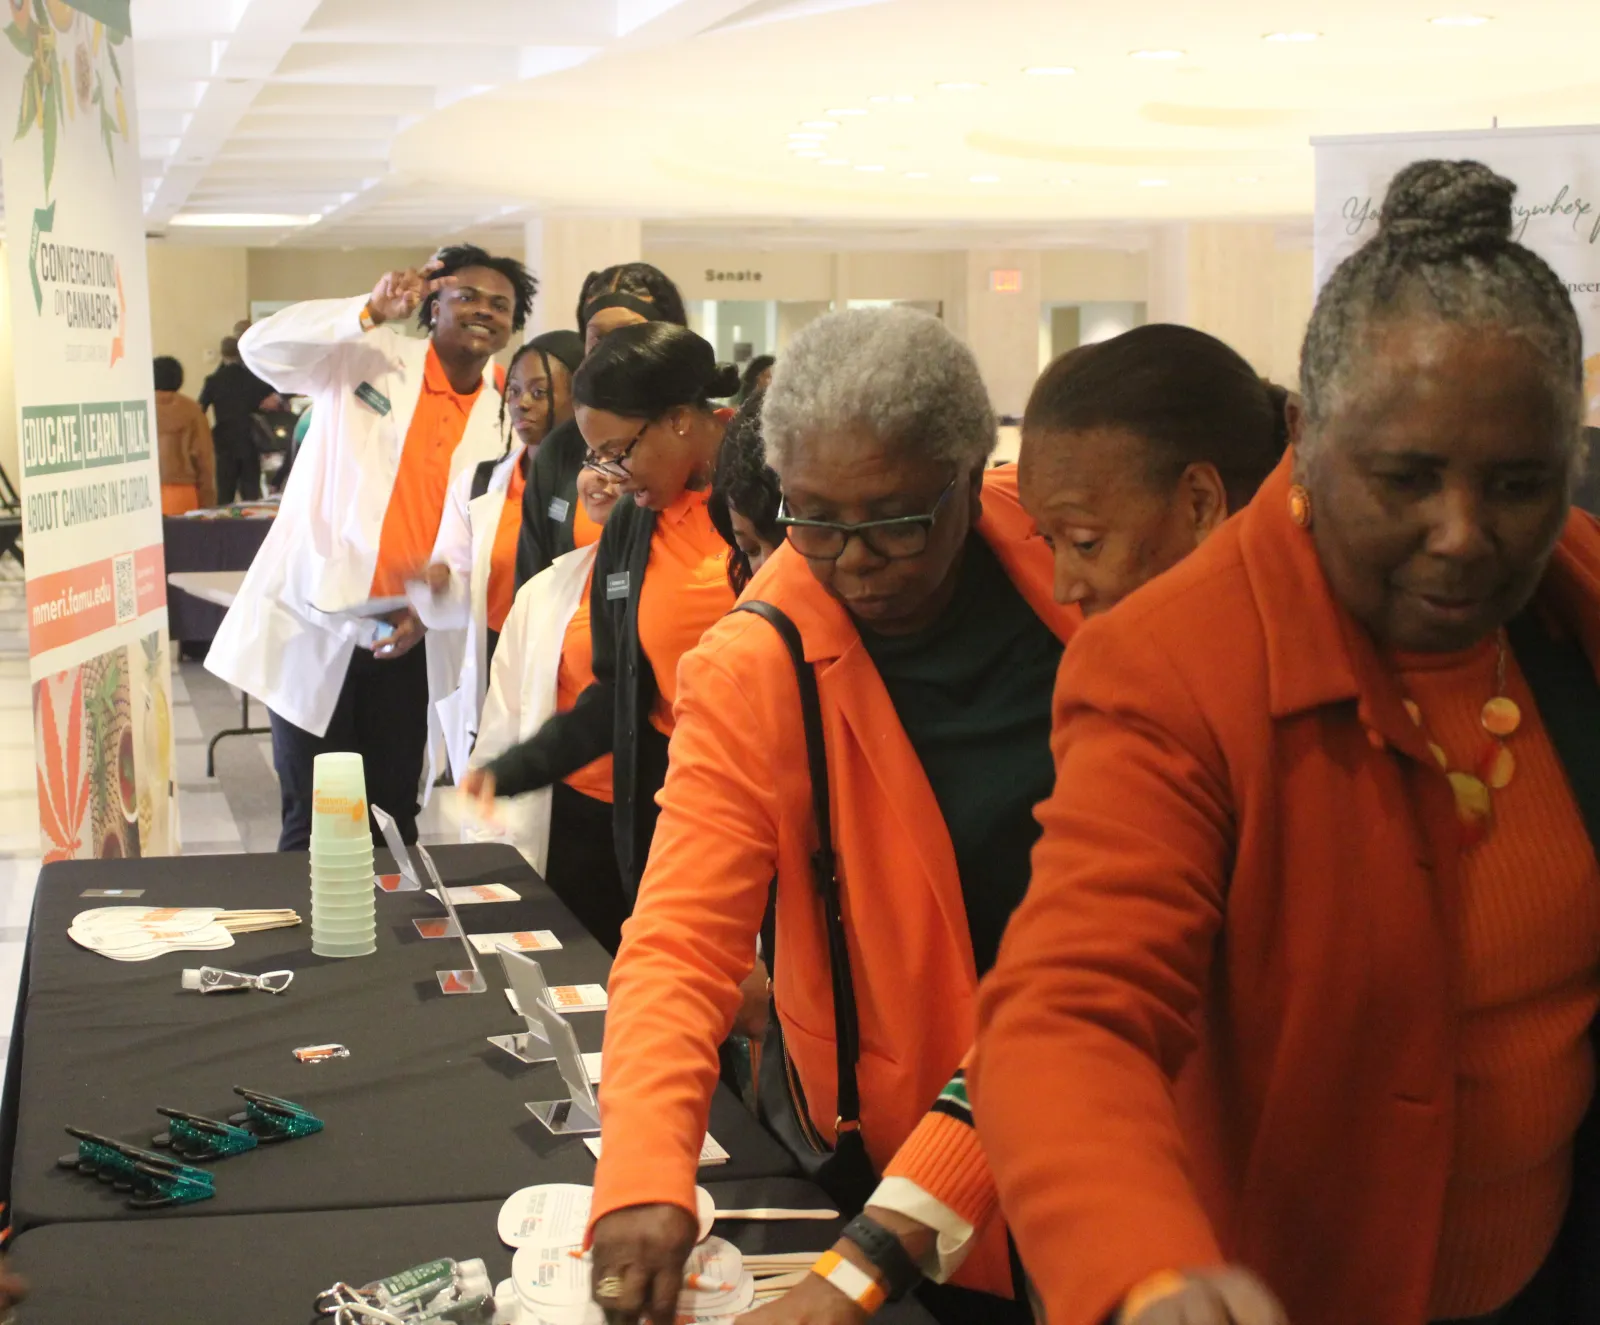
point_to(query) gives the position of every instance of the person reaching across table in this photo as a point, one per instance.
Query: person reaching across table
(616, 297)
(188, 463)
(924, 605)
(660, 578)
(395, 419)
(1294, 1022)
(472, 569)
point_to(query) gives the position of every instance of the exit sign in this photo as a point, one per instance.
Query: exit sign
(1005, 282)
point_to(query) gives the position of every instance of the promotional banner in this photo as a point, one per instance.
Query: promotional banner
(1557, 207)
(91, 486)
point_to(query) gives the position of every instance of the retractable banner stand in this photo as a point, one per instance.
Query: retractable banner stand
(1557, 173)
(91, 487)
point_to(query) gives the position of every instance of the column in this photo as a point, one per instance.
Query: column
(562, 250)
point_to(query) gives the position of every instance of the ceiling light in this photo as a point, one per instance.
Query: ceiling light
(807, 137)
(871, 170)
(1291, 36)
(1066, 182)
(1152, 183)
(1156, 55)
(904, 98)
(916, 174)
(959, 87)
(834, 161)
(818, 124)
(1247, 179)
(983, 179)
(244, 220)
(1050, 70)
(846, 110)
(815, 153)
(1459, 21)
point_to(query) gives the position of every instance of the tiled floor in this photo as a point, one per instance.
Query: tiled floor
(235, 811)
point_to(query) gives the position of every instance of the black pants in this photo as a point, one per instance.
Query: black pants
(382, 715)
(582, 866)
(238, 472)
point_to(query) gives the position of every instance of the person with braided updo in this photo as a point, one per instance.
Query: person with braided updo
(1294, 1022)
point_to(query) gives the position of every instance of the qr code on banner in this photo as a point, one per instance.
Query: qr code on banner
(126, 597)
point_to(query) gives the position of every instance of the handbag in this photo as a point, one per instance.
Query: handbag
(845, 1171)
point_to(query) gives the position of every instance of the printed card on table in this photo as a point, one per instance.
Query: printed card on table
(711, 1151)
(471, 893)
(568, 998)
(523, 940)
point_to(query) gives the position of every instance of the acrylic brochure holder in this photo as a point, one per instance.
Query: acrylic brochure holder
(470, 979)
(579, 1113)
(409, 882)
(526, 980)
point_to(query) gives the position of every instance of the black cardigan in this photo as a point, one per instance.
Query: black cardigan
(1563, 683)
(550, 500)
(612, 716)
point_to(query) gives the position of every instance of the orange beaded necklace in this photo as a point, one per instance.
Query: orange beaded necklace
(1495, 766)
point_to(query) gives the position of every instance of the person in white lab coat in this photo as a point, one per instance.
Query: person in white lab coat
(395, 419)
(542, 665)
(473, 568)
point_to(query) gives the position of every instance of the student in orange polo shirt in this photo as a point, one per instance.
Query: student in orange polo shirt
(394, 419)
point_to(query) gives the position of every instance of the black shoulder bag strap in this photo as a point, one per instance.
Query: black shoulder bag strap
(845, 1172)
(824, 869)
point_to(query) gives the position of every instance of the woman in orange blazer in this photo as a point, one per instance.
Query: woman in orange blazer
(1293, 1024)
(925, 608)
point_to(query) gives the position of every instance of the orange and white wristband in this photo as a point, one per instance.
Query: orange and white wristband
(368, 322)
(851, 1280)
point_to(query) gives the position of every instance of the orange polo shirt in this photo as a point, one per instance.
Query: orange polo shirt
(411, 524)
(1528, 986)
(584, 530)
(575, 675)
(503, 560)
(685, 593)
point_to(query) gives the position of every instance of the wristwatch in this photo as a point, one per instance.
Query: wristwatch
(886, 1254)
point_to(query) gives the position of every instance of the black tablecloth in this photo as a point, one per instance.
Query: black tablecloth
(423, 1111)
(224, 544)
(267, 1269)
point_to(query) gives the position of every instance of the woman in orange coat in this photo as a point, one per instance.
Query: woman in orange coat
(1293, 1024)
(924, 606)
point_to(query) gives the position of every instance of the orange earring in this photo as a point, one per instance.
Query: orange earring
(1300, 506)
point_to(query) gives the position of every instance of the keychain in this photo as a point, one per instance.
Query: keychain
(432, 1293)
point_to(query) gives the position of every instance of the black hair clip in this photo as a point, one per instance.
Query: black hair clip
(152, 1180)
(202, 1139)
(273, 1119)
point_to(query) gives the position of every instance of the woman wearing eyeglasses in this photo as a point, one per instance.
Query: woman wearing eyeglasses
(924, 604)
(660, 579)
(472, 569)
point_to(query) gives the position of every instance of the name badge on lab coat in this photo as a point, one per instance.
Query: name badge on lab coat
(559, 506)
(617, 586)
(373, 399)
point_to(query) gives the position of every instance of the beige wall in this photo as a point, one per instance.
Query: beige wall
(1292, 298)
(1003, 329)
(1093, 275)
(324, 273)
(197, 293)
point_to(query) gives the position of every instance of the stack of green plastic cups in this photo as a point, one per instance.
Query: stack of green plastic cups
(343, 915)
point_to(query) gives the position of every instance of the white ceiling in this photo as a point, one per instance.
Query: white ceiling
(411, 121)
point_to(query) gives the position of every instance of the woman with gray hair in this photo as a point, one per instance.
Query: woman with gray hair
(922, 603)
(1295, 1022)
